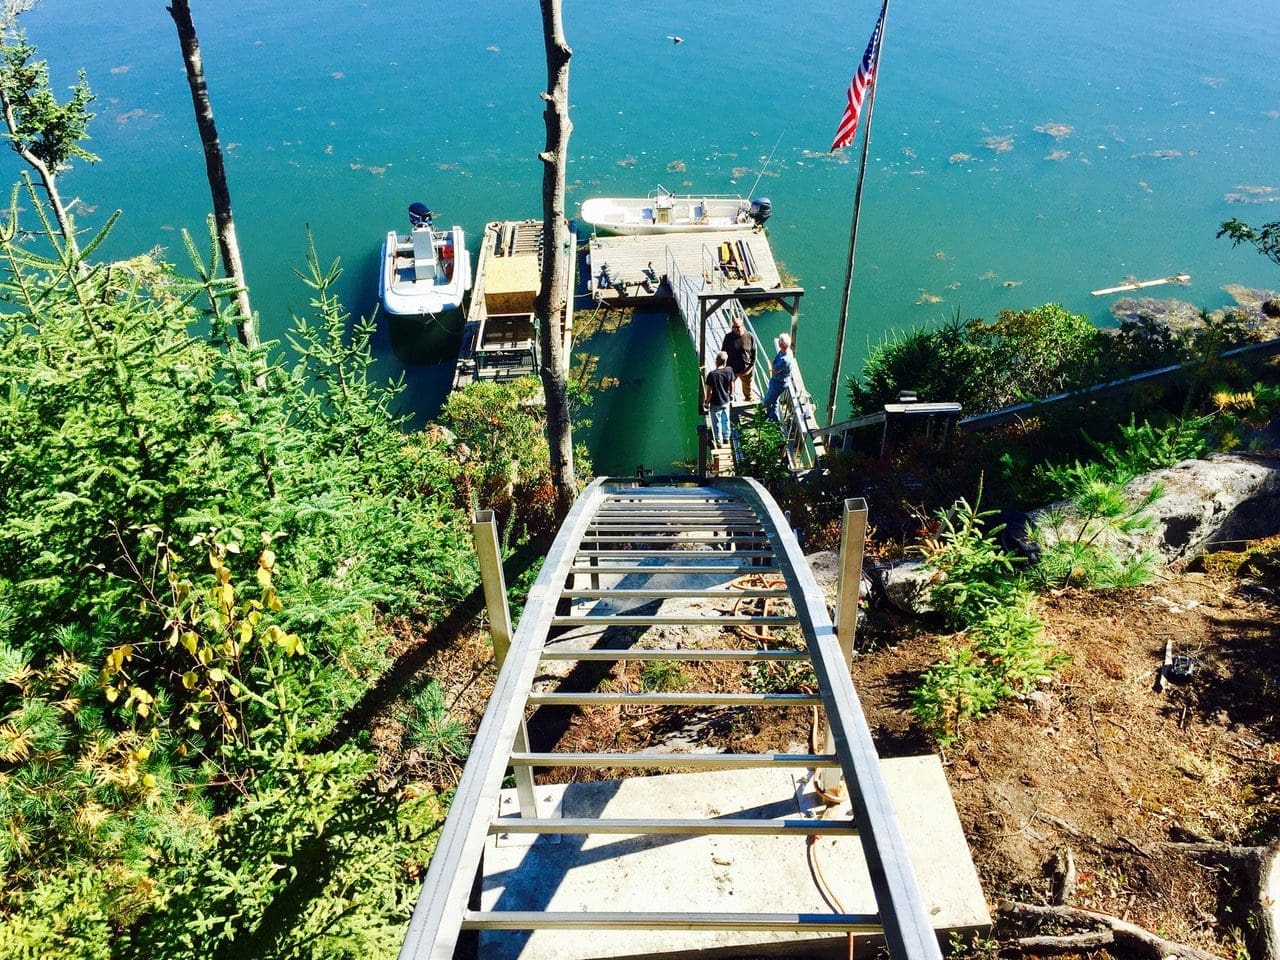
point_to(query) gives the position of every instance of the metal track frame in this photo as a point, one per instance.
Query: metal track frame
(442, 911)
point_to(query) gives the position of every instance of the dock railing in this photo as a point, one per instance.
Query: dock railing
(796, 413)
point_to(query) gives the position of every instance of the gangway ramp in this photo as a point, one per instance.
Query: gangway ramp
(632, 556)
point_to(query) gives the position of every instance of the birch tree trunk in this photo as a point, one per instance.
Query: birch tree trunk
(549, 305)
(228, 245)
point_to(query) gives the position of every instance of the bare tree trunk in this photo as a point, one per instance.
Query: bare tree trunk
(549, 305)
(229, 246)
(48, 180)
(9, 13)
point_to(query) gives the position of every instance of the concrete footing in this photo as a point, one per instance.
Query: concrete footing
(724, 874)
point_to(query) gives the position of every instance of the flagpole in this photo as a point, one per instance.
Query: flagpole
(853, 229)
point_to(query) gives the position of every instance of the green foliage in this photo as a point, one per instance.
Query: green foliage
(782, 676)
(1088, 533)
(1140, 448)
(309, 863)
(431, 728)
(1266, 239)
(500, 438)
(1022, 355)
(1002, 652)
(974, 573)
(762, 451)
(663, 676)
(50, 131)
(959, 688)
(191, 582)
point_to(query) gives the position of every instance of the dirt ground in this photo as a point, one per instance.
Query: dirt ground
(1098, 761)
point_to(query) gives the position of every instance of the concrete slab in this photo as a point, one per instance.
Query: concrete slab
(727, 874)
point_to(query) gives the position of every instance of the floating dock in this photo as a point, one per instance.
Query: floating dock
(626, 269)
(709, 277)
(500, 339)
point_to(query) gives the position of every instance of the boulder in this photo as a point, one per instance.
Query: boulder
(1206, 505)
(906, 586)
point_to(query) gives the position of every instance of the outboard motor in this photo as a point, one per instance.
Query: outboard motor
(420, 215)
(761, 210)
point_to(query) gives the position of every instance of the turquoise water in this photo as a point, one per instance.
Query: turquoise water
(336, 114)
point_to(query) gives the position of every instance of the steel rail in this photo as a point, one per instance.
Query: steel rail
(690, 698)
(715, 827)
(437, 918)
(441, 912)
(673, 653)
(799, 922)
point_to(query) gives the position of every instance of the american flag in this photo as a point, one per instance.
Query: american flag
(862, 80)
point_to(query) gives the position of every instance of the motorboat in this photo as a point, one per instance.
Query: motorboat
(666, 212)
(426, 271)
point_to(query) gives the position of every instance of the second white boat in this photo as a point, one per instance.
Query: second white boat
(666, 212)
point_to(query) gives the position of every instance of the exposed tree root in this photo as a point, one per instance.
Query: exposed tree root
(1119, 933)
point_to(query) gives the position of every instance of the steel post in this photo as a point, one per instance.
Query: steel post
(853, 537)
(484, 531)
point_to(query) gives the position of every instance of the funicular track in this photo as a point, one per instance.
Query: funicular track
(625, 548)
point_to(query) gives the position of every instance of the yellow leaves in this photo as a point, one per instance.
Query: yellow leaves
(290, 643)
(266, 564)
(141, 701)
(190, 679)
(112, 694)
(14, 744)
(217, 676)
(191, 640)
(1226, 400)
(149, 781)
(116, 659)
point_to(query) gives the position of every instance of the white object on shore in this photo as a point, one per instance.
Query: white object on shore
(1178, 278)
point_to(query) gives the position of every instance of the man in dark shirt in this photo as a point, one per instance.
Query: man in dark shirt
(741, 348)
(719, 393)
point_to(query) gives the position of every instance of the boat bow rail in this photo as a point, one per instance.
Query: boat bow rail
(626, 541)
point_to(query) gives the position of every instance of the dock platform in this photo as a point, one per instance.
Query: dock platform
(628, 269)
(709, 277)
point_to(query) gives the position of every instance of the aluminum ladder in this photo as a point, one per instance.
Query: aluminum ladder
(654, 533)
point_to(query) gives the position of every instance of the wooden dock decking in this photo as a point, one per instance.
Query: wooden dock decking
(709, 276)
(725, 260)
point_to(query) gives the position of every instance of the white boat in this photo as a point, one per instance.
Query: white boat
(500, 339)
(666, 212)
(425, 271)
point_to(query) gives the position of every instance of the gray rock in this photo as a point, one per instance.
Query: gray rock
(907, 585)
(1206, 505)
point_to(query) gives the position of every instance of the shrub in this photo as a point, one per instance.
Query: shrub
(1022, 355)
(762, 451)
(975, 574)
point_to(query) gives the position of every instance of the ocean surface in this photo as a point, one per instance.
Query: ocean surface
(1022, 153)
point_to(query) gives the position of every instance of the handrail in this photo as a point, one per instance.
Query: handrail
(796, 413)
